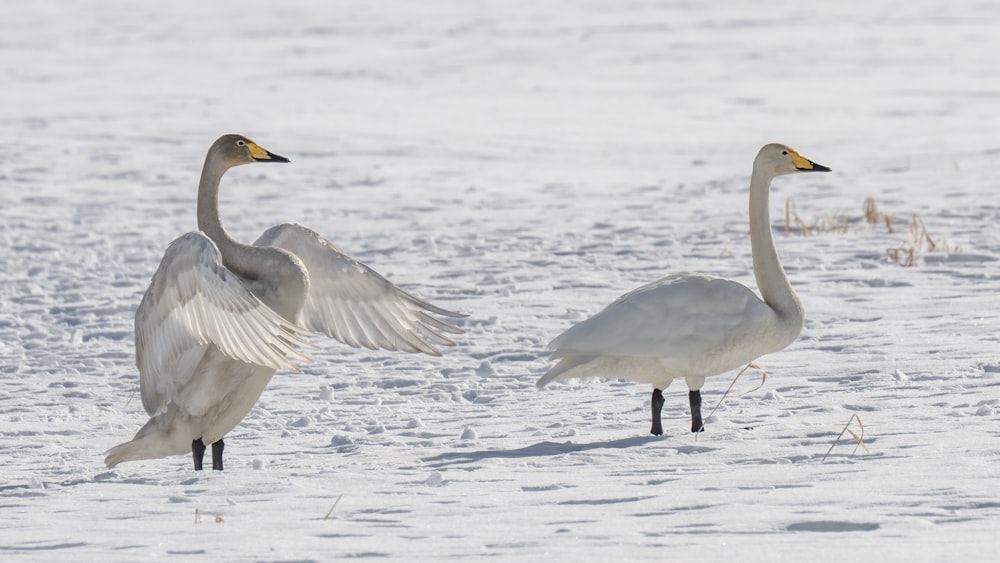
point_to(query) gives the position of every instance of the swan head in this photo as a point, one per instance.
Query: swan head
(234, 150)
(776, 159)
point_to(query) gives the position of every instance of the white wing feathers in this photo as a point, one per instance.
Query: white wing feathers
(194, 301)
(351, 302)
(685, 315)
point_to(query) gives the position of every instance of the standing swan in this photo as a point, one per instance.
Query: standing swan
(693, 326)
(220, 317)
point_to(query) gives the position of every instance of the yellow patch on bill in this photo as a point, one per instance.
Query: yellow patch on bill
(799, 161)
(259, 153)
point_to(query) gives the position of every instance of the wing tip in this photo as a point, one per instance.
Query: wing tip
(430, 307)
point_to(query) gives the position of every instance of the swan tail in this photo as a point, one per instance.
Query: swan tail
(151, 442)
(565, 369)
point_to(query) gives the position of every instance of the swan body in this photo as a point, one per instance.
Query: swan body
(220, 317)
(693, 326)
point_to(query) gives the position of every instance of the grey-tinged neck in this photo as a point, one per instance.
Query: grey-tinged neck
(277, 278)
(771, 279)
(208, 204)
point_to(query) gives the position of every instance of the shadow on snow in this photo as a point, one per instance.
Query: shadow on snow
(548, 449)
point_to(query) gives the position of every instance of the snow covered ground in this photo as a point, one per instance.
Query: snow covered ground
(527, 163)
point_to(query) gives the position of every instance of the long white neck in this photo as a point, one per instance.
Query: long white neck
(771, 278)
(235, 255)
(282, 280)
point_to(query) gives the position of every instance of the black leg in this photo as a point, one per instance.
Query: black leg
(657, 403)
(198, 453)
(217, 455)
(695, 398)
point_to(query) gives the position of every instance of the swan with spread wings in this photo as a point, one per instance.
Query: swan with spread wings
(220, 317)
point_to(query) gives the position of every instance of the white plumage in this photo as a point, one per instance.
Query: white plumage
(194, 302)
(220, 317)
(693, 326)
(355, 304)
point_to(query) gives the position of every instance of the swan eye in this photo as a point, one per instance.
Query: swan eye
(240, 143)
(784, 153)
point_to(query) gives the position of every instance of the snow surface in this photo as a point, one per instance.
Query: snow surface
(527, 163)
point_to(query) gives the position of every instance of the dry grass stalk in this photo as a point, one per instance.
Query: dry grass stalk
(763, 378)
(920, 241)
(197, 517)
(788, 223)
(873, 216)
(837, 223)
(919, 233)
(329, 512)
(871, 211)
(858, 439)
(902, 255)
(908, 252)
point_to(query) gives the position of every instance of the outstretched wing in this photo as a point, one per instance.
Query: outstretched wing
(193, 302)
(354, 304)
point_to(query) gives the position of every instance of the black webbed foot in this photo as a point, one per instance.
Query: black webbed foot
(217, 448)
(656, 402)
(694, 397)
(198, 453)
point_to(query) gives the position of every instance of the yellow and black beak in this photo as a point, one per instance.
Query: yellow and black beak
(260, 154)
(803, 164)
